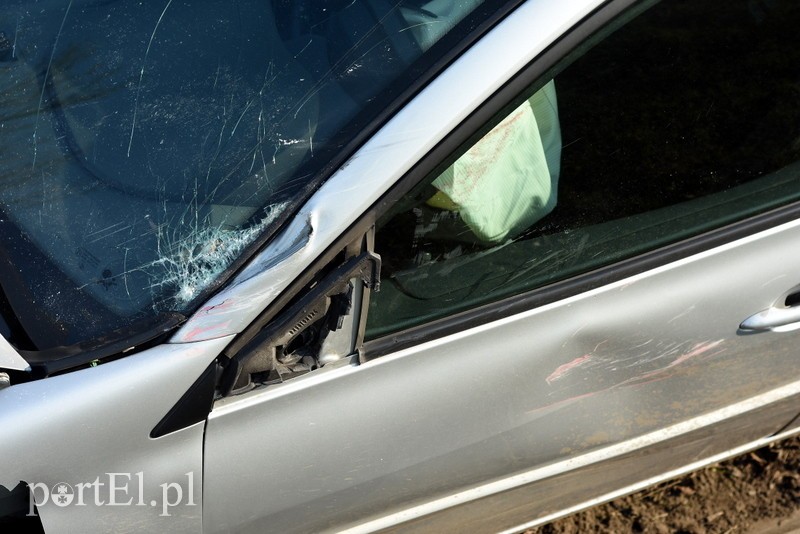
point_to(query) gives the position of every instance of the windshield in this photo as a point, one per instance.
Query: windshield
(144, 146)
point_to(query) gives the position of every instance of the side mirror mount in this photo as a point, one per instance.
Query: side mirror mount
(323, 325)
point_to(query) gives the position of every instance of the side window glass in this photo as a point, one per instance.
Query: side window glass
(685, 119)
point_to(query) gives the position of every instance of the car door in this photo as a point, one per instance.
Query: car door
(634, 319)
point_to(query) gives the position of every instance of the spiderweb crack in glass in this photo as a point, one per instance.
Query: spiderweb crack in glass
(194, 262)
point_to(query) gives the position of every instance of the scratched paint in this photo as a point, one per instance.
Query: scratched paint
(562, 370)
(652, 361)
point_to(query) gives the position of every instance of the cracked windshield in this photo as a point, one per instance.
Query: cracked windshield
(144, 146)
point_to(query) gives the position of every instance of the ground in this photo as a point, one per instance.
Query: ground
(758, 492)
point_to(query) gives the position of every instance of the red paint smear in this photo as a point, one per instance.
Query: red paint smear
(198, 331)
(564, 369)
(697, 350)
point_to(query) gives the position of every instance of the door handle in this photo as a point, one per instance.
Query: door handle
(775, 316)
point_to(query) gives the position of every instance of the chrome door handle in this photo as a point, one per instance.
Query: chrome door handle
(772, 318)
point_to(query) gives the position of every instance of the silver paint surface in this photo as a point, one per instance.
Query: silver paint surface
(549, 385)
(75, 427)
(625, 467)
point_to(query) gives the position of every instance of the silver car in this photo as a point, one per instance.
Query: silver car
(372, 265)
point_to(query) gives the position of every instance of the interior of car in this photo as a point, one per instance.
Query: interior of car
(673, 121)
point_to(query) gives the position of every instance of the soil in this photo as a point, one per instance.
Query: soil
(758, 492)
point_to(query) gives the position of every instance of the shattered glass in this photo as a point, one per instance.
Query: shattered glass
(144, 146)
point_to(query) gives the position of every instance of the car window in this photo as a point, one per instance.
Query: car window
(144, 146)
(667, 124)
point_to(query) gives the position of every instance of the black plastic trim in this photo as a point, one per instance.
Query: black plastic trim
(14, 507)
(193, 407)
(119, 343)
(310, 308)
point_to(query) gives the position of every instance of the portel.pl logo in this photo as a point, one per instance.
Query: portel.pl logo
(117, 489)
